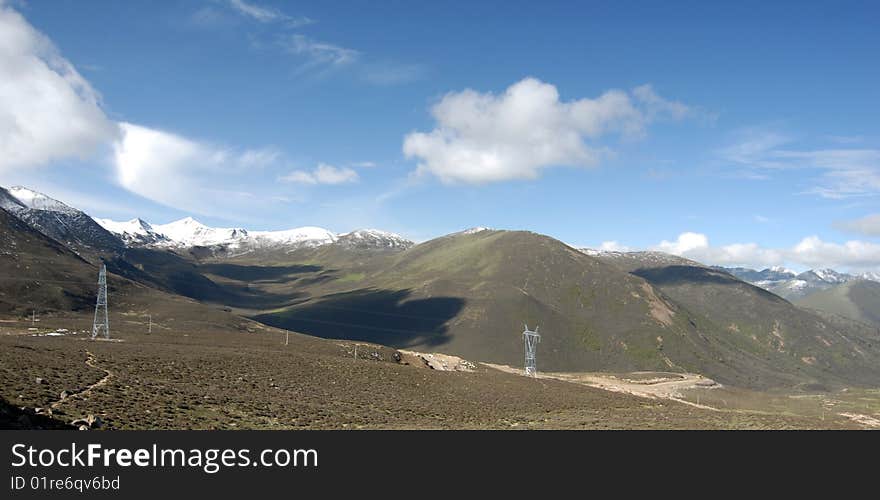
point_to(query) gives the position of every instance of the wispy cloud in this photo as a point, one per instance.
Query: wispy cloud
(317, 54)
(364, 164)
(846, 139)
(316, 57)
(322, 174)
(843, 172)
(265, 14)
(183, 173)
(390, 73)
(868, 225)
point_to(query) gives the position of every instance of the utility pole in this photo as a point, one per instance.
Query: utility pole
(102, 317)
(286, 338)
(33, 316)
(150, 329)
(531, 340)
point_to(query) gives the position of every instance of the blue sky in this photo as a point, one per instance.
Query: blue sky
(735, 134)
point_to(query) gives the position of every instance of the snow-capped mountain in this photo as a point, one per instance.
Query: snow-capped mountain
(790, 285)
(373, 239)
(870, 276)
(779, 280)
(639, 258)
(39, 201)
(474, 230)
(770, 275)
(188, 232)
(58, 221)
(307, 236)
(136, 232)
(831, 276)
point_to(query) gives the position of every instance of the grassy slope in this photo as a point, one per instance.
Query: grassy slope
(766, 330)
(857, 300)
(36, 271)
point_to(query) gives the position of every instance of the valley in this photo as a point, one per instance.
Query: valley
(306, 328)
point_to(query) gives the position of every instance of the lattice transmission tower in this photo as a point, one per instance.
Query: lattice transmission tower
(531, 340)
(102, 318)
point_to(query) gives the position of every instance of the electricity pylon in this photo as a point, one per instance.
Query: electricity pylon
(531, 340)
(102, 319)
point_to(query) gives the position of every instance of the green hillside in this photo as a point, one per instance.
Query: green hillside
(763, 330)
(469, 295)
(857, 300)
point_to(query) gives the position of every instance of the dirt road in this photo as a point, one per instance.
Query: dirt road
(652, 385)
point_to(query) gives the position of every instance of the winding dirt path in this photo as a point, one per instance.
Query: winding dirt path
(91, 361)
(663, 386)
(669, 387)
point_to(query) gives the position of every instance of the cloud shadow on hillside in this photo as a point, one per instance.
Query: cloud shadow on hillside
(386, 317)
(259, 274)
(169, 271)
(684, 275)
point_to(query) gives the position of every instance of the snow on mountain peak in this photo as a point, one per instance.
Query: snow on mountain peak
(830, 275)
(137, 232)
(39, 201)
(307, 236)
(783, 270)
(133, 226)
(870, 276)
(190, 232)
(374, 238)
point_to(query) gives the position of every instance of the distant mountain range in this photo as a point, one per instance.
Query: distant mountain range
(852, 296)
(188, 232)
(791, 285)
(84, 233)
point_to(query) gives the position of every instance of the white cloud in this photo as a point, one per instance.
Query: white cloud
(868, 225)
(613, 246)
(48, 111)
(322, 174)
(809, 252)
(814, 252)
(483, 137)
(181, 173)
(686, 242)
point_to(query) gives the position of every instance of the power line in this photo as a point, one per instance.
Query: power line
(39, 280)
(364, 327)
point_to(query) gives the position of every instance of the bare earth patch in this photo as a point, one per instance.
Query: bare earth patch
(862, 419)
